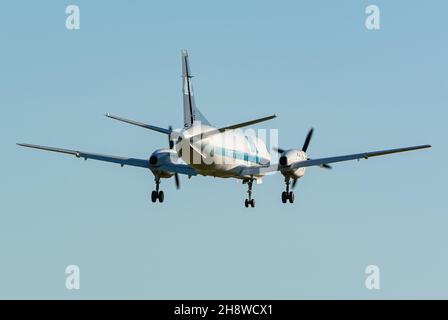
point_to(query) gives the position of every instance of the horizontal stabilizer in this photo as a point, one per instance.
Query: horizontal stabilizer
(140, 124)
(247, 123)
(234, 126)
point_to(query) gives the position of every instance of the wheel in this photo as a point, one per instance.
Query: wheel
(161, 196)
(291, 197)
(284, 196)
(154, 196)
(246, 203)
(252, 203)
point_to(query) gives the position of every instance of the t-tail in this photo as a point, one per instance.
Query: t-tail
(191, 113)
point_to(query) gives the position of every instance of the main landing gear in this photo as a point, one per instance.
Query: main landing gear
(156, 194)
(287, 195)
(249, 202)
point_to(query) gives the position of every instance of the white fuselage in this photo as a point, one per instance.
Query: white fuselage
(219, 154)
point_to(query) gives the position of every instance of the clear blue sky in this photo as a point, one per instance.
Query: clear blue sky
(312, 62)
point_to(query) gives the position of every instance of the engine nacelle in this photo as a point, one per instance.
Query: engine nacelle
(289, 157)
(161, 157)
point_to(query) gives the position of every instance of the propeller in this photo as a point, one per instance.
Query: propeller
(304, 149)
(307, 140)
(171, 145)
(279, 150)
(170, 142)
(294, 183)
(176, 181)
(305, 144)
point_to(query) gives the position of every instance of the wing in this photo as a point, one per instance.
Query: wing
(95, 156)
(262, 170)
(365, 155)
(167, 167)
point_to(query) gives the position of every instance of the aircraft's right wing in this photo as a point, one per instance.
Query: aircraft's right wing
(133, 162)
(95, 156)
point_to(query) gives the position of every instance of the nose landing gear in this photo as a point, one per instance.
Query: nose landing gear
(249, 202)
(288, 195)
(156, 194)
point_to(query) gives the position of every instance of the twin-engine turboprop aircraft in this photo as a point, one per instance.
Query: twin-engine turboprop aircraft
(200, 148)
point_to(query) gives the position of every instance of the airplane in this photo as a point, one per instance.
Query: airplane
(199, 148)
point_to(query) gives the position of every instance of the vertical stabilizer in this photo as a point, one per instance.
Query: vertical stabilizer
(191, 113)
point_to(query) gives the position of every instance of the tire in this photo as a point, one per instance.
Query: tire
(154, 196)
(161, 196)
(252, 203)
(284, 196)
(246, 203)
(291, 197)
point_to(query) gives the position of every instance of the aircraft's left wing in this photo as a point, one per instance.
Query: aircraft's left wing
(357, 156)
(95, 156)
(254, 171)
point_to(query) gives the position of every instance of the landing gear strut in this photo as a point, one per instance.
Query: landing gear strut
(287, 195)
(249, 202)
(156, 194)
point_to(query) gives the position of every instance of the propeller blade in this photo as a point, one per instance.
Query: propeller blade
(307, 140)
(176, 180)
(279, 150)
(170, 142)
(294, 183)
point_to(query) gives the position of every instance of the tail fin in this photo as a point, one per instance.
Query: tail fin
(191, 113)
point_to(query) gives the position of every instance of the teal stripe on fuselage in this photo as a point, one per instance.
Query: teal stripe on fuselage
(235, 154)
